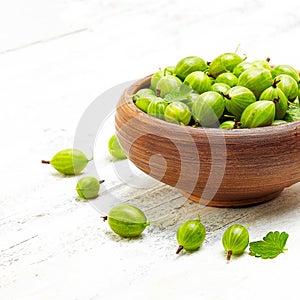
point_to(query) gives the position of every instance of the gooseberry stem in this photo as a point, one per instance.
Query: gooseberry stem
(101, 181)
(179, 249)
(157, 92)
(275, 82)
(276, 100)
(210, 75)
(229, 253)
(45, 162)
(104, 218)
(237, 124)
(226, 96)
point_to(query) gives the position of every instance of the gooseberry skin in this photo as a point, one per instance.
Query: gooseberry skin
(188, 65)
(190, 235)
(115, 149)
(68, 161)
(278, 122)
(169, 70)
(127, 220)
(258, 114)
(156, 108)
(241, 67)
(224, 63)
(235, 240)
(274, 92)
(227, 78)
(288, 85)
(237, 99)
(256, 80)
(198, 81)
(143, 102)
(88, 187)
(229, 125)
(285, 69)
(208, 108)
(178, 112)
(144, 92)
(190, 100)
(261, 64)
(167, 84)
(220, 88)
(155, 78)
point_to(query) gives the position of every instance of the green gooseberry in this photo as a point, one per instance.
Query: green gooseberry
(256, 80)
(188, 65)
(278, 122)
(169, 70)
(220, 88)
(190, 99)
(235, 240)
(143, 102)
(224, 63)
(127, 220)
(230, 124)
(68, 161)
(227, 78)
(237, 99)
(286, 69)
(275, 93)
(144, 92)
(88, 187)
(115, 149)
(198, 81)
(167, 84)
(260, 63)
(241, 67)
(190, 235)
(156, 108)
(178, 112)
(208, 108)
(155, 78)
(258, 114)
(288, 85)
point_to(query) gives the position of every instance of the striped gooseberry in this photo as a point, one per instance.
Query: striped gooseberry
(167, 84)
(235, 240)
(190, 235)
(188, 65)
(68, 161)
(115, 149)
(88, 187)
(127, 220)
(178, 112)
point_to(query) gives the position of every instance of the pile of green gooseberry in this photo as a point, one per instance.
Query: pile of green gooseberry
(229, 92)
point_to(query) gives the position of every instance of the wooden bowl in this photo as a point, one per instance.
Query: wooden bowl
(216, 167)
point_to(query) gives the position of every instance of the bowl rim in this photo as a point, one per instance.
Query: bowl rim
(263, 130)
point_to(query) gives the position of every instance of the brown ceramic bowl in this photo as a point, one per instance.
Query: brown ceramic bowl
(216, 167)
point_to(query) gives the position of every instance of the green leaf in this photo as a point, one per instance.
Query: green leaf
(293, 112)
(179, 94)
(271, 246)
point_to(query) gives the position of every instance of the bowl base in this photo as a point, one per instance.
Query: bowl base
(215, 202)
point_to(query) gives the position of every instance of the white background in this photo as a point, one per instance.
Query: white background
(56, 58)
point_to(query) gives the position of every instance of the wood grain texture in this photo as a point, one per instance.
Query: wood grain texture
(226, 168)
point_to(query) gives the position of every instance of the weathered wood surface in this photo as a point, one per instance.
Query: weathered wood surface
(56, 58)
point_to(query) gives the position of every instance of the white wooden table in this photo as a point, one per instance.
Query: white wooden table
(56, 58)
